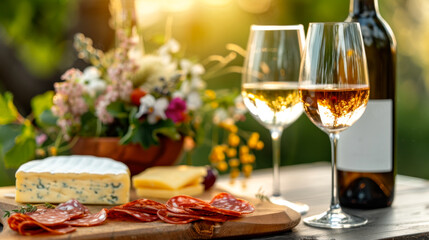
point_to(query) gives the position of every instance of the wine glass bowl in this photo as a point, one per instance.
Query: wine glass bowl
(334, 90)
(270, 87)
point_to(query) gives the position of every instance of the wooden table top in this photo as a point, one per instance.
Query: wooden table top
(408, 217)
(310, 183)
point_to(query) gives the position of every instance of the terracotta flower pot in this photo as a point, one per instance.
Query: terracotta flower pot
(133, 155)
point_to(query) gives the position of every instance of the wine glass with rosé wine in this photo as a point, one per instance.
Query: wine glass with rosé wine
(334, 89)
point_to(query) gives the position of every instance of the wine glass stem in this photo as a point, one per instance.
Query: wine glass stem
(334, 138)
(276, 134)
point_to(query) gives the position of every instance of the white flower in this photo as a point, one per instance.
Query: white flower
(197, 70)
(193, 101)
(170, 47)
(220, 115)
(178, 94)
(159, 108)
(239, 107)
(194, 69)
(197, 83)
(152, 69)
(146, 105)
(91, 81)
(155, 108)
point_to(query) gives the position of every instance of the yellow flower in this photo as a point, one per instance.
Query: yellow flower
(247, 170)
(259, 145)
(210, 94)
(233, 129)
(222, 166)
(233, 140)
(40, 152)
(229, 127)
(244, 150)
(231, 152)
(217, 154)
(217, 157)
(253, 140)
(235, 172)
(53, 151)
(247, 158)
(218, 148)
(214, 104)
(234, 162)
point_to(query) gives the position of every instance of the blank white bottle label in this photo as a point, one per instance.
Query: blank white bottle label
(367, 145)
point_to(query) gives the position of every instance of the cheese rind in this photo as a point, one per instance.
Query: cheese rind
(90, 180)
(169, 177)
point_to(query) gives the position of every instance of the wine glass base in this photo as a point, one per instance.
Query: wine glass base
(335, 218)
(301, 208)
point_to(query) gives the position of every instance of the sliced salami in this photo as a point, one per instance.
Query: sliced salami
(25, 225)
(89, 219)
(213, 218)
(119, 213)
(73, 206)
(229, 203)
(31, 227)
(52, 217)
(182, 203)
(164, 216)
(143, 205)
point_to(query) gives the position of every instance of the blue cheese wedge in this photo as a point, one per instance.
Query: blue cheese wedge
(88, 179)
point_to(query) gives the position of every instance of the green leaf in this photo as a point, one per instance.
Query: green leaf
(47, 118)
(23, 149)
(117, 110)
(8, 133)
(89, 124)
(147, 134)
(41, 105)
(8, 112)
(166, 128)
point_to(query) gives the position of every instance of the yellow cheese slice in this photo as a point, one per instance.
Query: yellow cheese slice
(169, 177)
(168, 193)
(88, 179)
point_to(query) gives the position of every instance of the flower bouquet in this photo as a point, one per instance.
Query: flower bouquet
(139, 98)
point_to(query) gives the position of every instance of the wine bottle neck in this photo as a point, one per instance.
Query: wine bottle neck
(363, 7)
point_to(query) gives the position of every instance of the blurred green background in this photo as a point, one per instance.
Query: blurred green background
(36, 48)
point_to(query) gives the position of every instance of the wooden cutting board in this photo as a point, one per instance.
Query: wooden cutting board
(267, 218)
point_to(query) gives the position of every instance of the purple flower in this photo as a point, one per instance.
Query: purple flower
(176, 110)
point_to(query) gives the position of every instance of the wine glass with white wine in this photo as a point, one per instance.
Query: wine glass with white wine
(270, 88)
(334, 89)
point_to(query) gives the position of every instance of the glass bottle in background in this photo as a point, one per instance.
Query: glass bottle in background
(366, 161)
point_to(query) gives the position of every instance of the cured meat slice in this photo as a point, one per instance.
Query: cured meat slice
(73, 206)
(229, 203)
(143, 205)
(32, 227)
(52, 217)
(119, 213)
(164, 216)
(25, 225)
(17, 219)
(89, 219)
(213, 218)
(182, 203)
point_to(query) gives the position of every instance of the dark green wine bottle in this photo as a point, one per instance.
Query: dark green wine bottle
(366, 157)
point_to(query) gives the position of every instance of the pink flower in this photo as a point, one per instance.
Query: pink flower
(40, 139)
(71, 74)
(176, 110)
